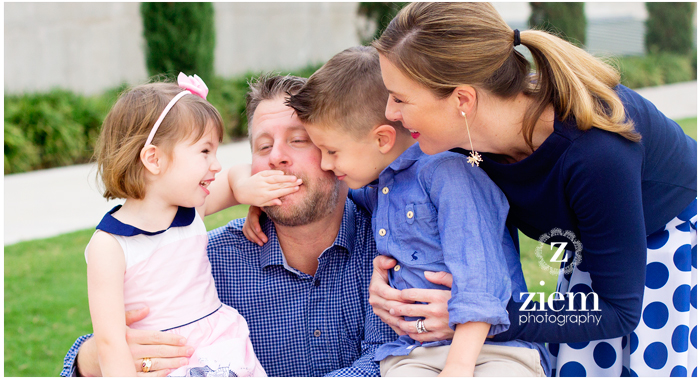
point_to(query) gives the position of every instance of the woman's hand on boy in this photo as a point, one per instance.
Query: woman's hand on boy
(264, 188)
(383, 297)
(251, 227)
(391, 305)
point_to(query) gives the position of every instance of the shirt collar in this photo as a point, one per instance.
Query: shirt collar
(183, 217)
(272, 252)
(407, 158)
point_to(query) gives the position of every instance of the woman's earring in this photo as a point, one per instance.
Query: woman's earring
(474, 157)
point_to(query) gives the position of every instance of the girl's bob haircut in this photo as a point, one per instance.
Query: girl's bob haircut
(128, 124)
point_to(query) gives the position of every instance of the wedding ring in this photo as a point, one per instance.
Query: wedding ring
(420, 326)
(146, 365)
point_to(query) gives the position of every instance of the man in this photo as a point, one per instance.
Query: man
(304, 294)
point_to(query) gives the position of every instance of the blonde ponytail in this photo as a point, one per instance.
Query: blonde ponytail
(445, 45)
(576, 83)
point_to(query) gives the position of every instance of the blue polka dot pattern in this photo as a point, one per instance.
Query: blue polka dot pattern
(694, 337)
(572, 369)
(625, 372)
(657, 275)
(681, 298)
(658, 346)
(585, 289)
(695, 372)
(679, 339)
(581, 288)
(657, 239)
(679, 371)
(634, 342)
(567, 276)
(685, 227)
(604, 355)
(554, 348)
(656, 355)
(682, 258)
(655, 315)
(578, 345)
(689, 211)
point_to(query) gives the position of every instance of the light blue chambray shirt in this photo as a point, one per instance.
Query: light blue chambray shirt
(300, 325)
(438, 213)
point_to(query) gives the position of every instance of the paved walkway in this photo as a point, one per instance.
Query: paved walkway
(50, 202)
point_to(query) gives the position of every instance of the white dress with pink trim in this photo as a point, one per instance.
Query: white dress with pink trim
(169, 272)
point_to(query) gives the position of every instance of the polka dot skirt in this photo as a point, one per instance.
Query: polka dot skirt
(665, 341)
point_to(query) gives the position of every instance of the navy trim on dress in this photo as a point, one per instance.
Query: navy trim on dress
(199, 319)
(183, 217)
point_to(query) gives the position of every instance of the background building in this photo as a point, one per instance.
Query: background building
(89, 47)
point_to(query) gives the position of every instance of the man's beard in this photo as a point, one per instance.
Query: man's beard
(320, 201)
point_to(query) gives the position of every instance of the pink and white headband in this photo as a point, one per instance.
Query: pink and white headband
(193, 86)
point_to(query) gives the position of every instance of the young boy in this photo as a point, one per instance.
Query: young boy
(430, 213)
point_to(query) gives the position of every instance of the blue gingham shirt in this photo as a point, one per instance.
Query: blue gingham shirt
(300, 325)
(438, 213)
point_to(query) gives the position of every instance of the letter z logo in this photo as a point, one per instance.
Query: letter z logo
(560, 252)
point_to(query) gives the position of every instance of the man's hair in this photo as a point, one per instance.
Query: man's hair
(268, 87)
(346, 93)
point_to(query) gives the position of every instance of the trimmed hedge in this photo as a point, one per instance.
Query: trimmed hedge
(656, 69)
(567, 20)
(669, 27)
(53, 129)
(382, 13)
(60, 128)
(179, 37)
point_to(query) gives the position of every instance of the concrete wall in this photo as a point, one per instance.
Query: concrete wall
(281, 36)
(85, 47)
(88, 47)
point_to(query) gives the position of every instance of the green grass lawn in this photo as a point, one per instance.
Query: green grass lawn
(46, 306)
(690, 126)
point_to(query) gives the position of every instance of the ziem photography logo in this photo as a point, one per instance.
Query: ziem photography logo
(565, 251)
(562, 244)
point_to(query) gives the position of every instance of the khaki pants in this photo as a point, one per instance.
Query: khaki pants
(493, 360)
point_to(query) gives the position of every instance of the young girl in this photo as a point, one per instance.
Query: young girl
(157, 150)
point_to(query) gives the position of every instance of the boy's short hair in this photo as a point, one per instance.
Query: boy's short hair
(346, 93)
(128, 124)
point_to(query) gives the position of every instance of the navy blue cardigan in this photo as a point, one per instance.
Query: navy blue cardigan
(611, 193)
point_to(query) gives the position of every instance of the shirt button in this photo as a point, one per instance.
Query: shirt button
(317, 283)
(317, 333)
(397, 267)
(409, 214)
(382, 232)
(385, 190)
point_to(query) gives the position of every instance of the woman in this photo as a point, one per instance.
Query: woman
(572, 150)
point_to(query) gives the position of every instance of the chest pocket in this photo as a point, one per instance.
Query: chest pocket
(418, 234)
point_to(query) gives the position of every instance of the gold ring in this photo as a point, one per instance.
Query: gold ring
(146, 365)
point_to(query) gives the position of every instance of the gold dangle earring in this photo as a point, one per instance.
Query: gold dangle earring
(474, 157)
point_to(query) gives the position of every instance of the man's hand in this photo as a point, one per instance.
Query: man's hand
(251, 227)
(167, 351)
(391, 305)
